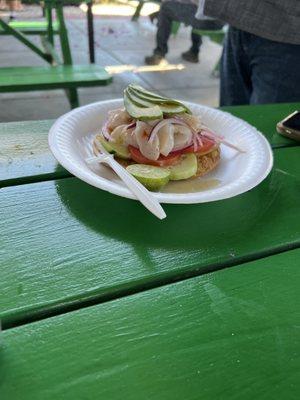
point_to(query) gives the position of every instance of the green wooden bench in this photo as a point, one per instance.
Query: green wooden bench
(62, 74)
(56, 77)
(31, 27)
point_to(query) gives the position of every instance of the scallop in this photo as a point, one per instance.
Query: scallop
(148, 149)
(119, 133)
(166, 139)
(130, 138)
(192, 120)
(118, 117)
(182, 136)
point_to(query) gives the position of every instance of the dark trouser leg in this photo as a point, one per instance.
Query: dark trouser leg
(196, 43)
(164, 26)
(236, 86)
(206, 24)
(257, 71)
(275, 71)
(174, 11)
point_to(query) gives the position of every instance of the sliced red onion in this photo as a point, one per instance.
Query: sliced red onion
(162, 123)
(200, 143)
(182, 147)
(219, 139)
(132, 125)
(195, 143)
(186, 123)
(105, 132)
(211, 135)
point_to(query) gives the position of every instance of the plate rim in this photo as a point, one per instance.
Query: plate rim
(171, 198)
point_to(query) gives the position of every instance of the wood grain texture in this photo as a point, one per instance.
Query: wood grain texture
(64, 242)
(229, 335)
(18, 79)
(25, 155)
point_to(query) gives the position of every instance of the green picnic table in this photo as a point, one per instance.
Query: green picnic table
(60, 73)
(101, 300)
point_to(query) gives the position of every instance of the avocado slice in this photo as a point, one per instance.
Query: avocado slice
(155, 98)
(141, 113)
(118, 149)
(185, 169)
(153, 178)
(144, 102)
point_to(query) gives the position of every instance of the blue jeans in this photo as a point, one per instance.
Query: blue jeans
(256, 70)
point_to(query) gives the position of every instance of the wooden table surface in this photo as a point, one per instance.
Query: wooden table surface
(100, 299)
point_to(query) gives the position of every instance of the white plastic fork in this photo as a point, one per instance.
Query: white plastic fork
(142, 194)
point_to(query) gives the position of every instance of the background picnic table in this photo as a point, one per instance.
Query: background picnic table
(60, 73)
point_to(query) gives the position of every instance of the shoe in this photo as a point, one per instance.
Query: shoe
(190, 56)
(153, 16)
(155, 59)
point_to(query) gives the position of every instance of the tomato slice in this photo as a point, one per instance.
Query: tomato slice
(163, 161)
(207, 145)
(172, 158)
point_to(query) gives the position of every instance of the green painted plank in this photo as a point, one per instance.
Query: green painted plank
(265, 117)
(20, 167)
(229, 335)
(64, 242)
(25, 154)
(15, 79)
(31, 27)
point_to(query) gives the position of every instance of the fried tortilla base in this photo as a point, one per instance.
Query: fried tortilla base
(208, 161)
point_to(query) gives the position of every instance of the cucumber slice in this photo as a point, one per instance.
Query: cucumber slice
(146, 92)
(185, 169)
(141, 113)
(118, 149)
(169, 108)
(153, 178)
(155, 98)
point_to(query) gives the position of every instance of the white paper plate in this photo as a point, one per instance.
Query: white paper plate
(235, 174)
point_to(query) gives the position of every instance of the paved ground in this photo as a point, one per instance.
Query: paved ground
(121, 46)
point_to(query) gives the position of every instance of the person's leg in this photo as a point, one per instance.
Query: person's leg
(275, 71)
(196, 42)
(164, 25)
(235, 85)
(171, 11)
(11, 7)
(3, 5)
(192, 54)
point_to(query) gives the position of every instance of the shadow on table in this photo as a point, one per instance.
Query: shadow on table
(193, 226)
